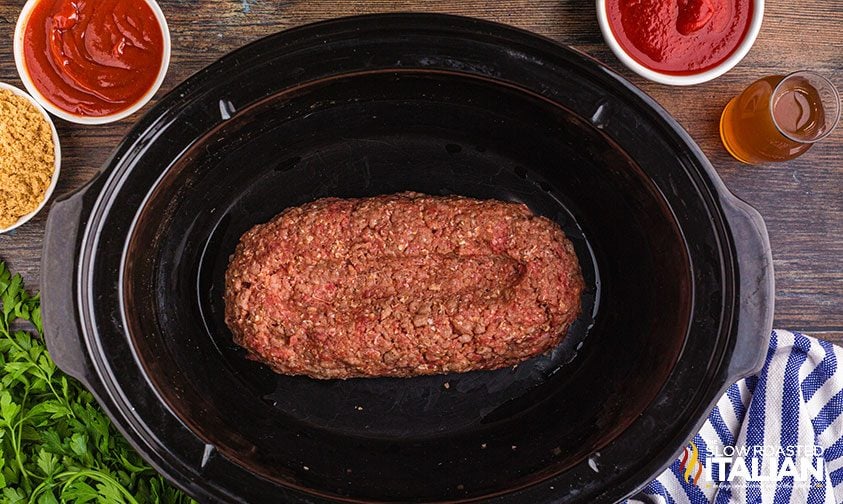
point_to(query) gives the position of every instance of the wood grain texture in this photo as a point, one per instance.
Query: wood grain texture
(802, 200)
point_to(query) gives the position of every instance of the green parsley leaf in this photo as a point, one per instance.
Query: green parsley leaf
(79, 492)
(56, 444)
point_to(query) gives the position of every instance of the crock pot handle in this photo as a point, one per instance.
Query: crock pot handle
(62, 330)
(757, 288)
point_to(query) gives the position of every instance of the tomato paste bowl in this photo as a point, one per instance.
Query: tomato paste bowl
(129, 88)
(56, 153)
(678, 303)
(644, 61)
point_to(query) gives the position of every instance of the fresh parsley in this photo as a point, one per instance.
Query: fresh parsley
(56, 444)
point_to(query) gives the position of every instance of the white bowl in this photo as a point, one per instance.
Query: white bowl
(685, 79)
(68, 116)
(56, 152)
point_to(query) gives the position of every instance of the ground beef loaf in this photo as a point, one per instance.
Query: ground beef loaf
(401, 285)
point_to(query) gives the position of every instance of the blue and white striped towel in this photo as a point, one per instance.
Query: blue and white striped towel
(786, 427)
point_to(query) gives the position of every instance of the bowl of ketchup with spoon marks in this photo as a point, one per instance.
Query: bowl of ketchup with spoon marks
(92, 62)
(680, 42)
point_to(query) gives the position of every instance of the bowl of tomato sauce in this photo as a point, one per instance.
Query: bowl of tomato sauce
(92, 62)
(680, 42)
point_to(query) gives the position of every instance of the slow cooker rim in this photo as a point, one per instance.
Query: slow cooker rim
(708, 176)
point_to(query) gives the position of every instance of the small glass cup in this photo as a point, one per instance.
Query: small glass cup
(778, 118)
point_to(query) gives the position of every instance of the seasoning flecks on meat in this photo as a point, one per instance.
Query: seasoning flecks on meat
(401, 285)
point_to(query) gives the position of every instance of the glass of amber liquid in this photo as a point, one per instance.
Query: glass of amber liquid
(778, 118)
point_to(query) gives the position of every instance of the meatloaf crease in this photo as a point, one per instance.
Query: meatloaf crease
(401, 285)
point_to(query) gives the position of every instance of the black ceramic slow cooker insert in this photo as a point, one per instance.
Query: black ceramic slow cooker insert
(678, 304)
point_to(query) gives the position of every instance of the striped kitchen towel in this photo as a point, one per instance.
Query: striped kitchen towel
(773, 438)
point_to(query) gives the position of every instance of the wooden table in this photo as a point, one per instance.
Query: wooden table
(802, 201)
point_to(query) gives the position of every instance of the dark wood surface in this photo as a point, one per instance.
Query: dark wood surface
(802, 200)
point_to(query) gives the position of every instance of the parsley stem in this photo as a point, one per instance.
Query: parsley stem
(17, 439)
(53, 435)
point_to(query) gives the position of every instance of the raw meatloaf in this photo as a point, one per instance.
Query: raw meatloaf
(401, 285)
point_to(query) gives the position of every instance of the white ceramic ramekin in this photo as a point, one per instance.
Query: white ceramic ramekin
(685, 79)
(68, 116)
(56, 150)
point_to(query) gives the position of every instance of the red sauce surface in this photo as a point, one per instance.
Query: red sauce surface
(679, 36)
(93, 57)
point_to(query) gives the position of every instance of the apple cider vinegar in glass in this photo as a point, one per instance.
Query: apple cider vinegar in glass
(778, 118)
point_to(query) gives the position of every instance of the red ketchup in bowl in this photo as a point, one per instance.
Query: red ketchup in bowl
(93, 58)
(679, 37)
